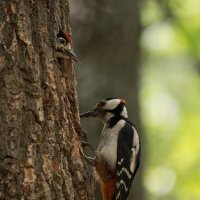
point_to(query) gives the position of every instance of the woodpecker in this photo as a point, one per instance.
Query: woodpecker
(117, 157)
(64, 46)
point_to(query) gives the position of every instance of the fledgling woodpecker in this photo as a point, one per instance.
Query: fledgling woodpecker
(117, 157)
(64, 46)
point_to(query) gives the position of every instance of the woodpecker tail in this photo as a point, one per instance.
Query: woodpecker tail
(108, 190)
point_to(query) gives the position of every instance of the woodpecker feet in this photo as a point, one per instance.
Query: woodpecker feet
(91, 161)
(87, 144)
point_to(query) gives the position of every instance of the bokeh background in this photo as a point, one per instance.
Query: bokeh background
(147, 52)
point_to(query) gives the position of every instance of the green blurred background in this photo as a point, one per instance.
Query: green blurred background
(147, 52)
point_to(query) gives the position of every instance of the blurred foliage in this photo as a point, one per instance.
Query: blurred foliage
(170, 96)
(168, 84)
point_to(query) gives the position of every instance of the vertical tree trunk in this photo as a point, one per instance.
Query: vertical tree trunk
(39, 122)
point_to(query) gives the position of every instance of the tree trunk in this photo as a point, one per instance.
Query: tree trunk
(39, 118)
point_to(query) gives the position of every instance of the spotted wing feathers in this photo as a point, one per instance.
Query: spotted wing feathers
(128, 156)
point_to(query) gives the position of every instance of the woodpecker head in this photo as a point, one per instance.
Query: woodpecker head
(64, 46)
(107, 108)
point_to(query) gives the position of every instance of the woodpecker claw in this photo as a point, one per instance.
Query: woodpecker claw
(83, 137)
(87, 144)
(91, 161)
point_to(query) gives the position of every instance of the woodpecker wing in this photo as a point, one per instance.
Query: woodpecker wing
(128, 158)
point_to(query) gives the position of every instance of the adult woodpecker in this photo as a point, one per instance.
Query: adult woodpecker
(64, 46)
(117, 157)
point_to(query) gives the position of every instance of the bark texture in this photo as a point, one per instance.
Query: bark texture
(39, 118)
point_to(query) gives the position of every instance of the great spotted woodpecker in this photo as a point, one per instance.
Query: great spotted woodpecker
(117, 157)
(64, 46)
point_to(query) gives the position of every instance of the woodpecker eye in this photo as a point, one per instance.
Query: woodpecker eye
(62, 40)
(102, 103)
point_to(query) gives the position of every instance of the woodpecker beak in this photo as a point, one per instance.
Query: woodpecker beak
(72, 55)
(92, 113)
(66, 54)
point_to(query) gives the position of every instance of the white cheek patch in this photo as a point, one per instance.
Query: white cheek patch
(112, 104)
(124, 112)
(69, 46)
(108, 116)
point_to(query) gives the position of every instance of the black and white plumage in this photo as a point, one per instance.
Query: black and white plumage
(118, 155)
(64, 46)
(128, 158)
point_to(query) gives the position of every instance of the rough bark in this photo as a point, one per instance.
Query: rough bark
(39, 118)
